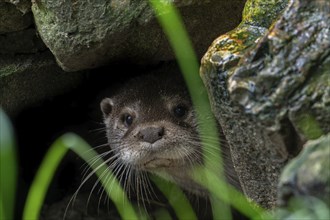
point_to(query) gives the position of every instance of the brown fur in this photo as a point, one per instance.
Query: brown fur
(151, 101)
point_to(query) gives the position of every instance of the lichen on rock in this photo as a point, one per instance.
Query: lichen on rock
(257, 162)
(285, 75)
(87, 34)
(268, 81)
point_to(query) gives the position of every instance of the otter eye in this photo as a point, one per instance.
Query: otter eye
(127, 119)
(180, 111)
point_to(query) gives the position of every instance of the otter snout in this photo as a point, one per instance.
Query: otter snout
(151, 134)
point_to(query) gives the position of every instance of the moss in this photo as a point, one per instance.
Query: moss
(308, 126)
(258, 15)
(262, 12)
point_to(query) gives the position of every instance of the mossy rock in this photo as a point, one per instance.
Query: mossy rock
(304, 188)
(268, 82)
(87, 34)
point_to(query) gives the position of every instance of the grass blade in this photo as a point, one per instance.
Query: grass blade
(2, 213)
(176, 198)
(43, 178)
(115, 192)
(8, 168)
(232, 197)
(48, 168)
(174, 29)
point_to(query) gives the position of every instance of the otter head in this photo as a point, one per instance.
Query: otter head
(151, 126)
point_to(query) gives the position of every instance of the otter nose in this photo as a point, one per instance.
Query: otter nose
(151, 134)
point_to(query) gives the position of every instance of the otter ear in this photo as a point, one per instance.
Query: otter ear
(106, 106)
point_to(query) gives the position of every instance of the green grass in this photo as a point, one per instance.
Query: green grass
(174, 29)
(176, 198)
(222, 194)
(8, 168)
(212, 175)
(114, 190)
(42, 180)
(217, 186)
(48, 168)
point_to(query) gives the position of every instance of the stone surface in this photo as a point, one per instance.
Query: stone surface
(86, 34)
(256, 159)
(36, 78)
(14, 19)
(17, 32)
(270, 89)
(287, 74)
(23, 6)
(305, 182)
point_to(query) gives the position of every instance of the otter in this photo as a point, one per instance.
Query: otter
(151, 126)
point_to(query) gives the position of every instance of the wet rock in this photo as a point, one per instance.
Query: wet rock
(270, 89)
(287, 74)
(305, 183)
(256, 158)
(86, 34)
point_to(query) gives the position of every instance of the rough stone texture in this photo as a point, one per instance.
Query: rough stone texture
(256, 159)
(305, 182)
(36, 78)
(122, 33)
(13, 17)
(271, 94)
(23, 6)
(287, 74)
(86, 34)
(17, 34)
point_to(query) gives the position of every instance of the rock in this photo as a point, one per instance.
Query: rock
(14, 17)
(24, 6)
(305, 182)
(87, 34)
(257, 161)
(21, 42)
(287, 75)
(270, 89)
(17, 34)
(36, 78)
